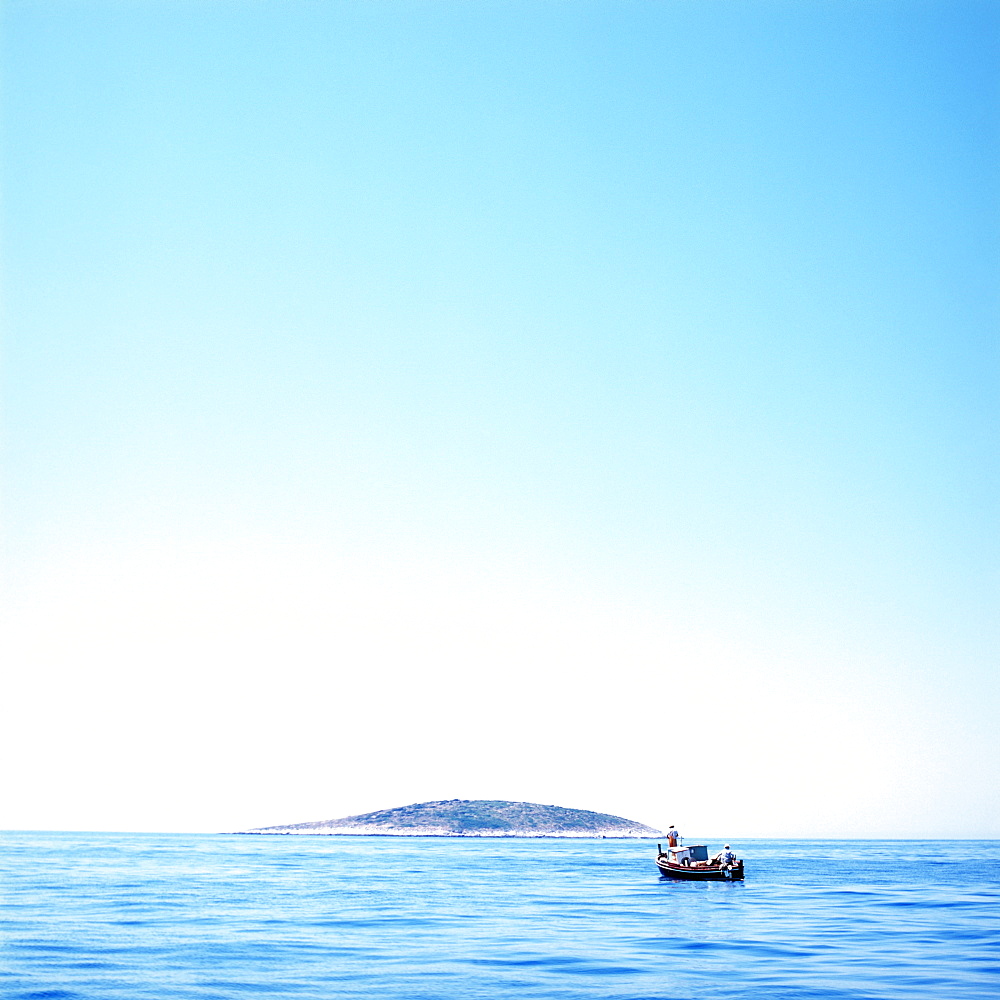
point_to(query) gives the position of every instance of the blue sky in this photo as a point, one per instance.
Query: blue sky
(415, 395)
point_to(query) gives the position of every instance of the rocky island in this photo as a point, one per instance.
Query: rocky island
(472, 818)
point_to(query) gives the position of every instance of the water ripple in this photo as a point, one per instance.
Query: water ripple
(142, 917)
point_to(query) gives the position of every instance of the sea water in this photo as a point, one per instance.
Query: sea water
(135, 916)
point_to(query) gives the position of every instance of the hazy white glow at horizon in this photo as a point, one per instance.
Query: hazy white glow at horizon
(219, 690)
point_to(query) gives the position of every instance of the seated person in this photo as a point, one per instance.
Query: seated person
(724, 857)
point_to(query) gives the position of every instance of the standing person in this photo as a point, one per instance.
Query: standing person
(673, 837)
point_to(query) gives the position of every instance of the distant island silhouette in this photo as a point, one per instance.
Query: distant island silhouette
(472, 818)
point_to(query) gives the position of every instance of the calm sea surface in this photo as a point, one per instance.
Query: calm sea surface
(132, 916)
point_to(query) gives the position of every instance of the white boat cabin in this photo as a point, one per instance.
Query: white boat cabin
(688, 855)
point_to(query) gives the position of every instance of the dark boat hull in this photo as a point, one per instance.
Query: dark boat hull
(734, 874)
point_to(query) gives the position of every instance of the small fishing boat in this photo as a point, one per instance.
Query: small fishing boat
(692, 863)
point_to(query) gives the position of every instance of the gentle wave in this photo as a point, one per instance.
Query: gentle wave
(142, 917)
